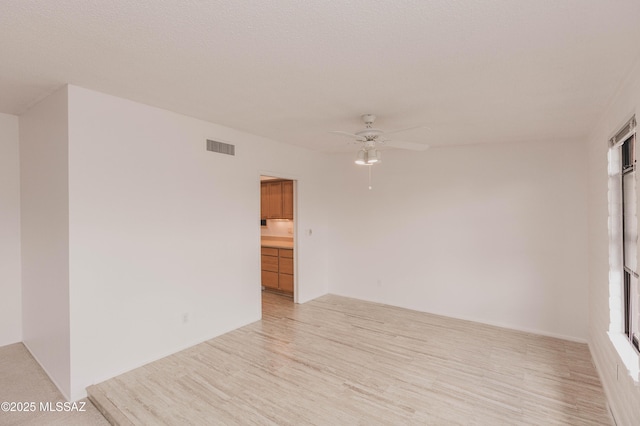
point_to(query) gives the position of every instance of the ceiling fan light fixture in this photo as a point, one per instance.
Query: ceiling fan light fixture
(373, 156)
(370, 136)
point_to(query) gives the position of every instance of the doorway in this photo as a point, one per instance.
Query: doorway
(277, 236)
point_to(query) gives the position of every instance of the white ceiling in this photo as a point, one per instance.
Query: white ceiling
(291, 70)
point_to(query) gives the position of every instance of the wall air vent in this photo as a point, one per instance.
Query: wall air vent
(221, 147)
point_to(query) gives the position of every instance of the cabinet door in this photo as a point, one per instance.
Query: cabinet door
(269, 263)
(285, 265)
(269, 251)
(264, 201)
(287, 199)
(286, 283)
(285, 269)
(275, 200)
(270, 279)
(284, 253)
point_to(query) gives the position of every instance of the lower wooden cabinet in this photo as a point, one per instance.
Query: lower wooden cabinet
(277, 269)
(285, 283)
(270, 279)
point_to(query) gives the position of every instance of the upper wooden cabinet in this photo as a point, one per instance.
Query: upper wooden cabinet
(287, 199)
(276, 199)
(264, 201)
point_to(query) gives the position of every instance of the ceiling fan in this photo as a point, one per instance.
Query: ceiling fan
(370, 138)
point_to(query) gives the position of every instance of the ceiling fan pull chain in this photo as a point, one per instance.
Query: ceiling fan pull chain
(370, 167)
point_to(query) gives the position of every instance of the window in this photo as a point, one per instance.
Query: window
(624, 283)
(629, 241)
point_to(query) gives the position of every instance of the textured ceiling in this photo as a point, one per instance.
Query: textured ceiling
(474, 71)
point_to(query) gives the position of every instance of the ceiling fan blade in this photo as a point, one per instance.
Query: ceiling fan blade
(404, 129)
(351, 135)
(413, 146)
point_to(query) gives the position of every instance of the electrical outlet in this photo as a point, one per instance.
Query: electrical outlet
(185, 318)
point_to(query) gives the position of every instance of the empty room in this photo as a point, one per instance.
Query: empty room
(328, 213)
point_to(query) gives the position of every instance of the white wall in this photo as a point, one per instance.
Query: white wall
(159, 227)
(45, 235)
(624, 396)
(490, 233)
(11, 300)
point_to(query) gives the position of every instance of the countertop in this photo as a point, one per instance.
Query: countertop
(277, 242)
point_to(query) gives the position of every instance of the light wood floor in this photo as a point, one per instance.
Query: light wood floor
(339, 361)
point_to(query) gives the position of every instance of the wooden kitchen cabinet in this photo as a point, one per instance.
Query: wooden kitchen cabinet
(285, 270)
(287, 199)
(285, 283)
(277, 269)
(270, 280)
(276, 199)
(270, 267)
(264, 201)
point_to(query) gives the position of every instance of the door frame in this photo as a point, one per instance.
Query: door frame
(296, 221)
